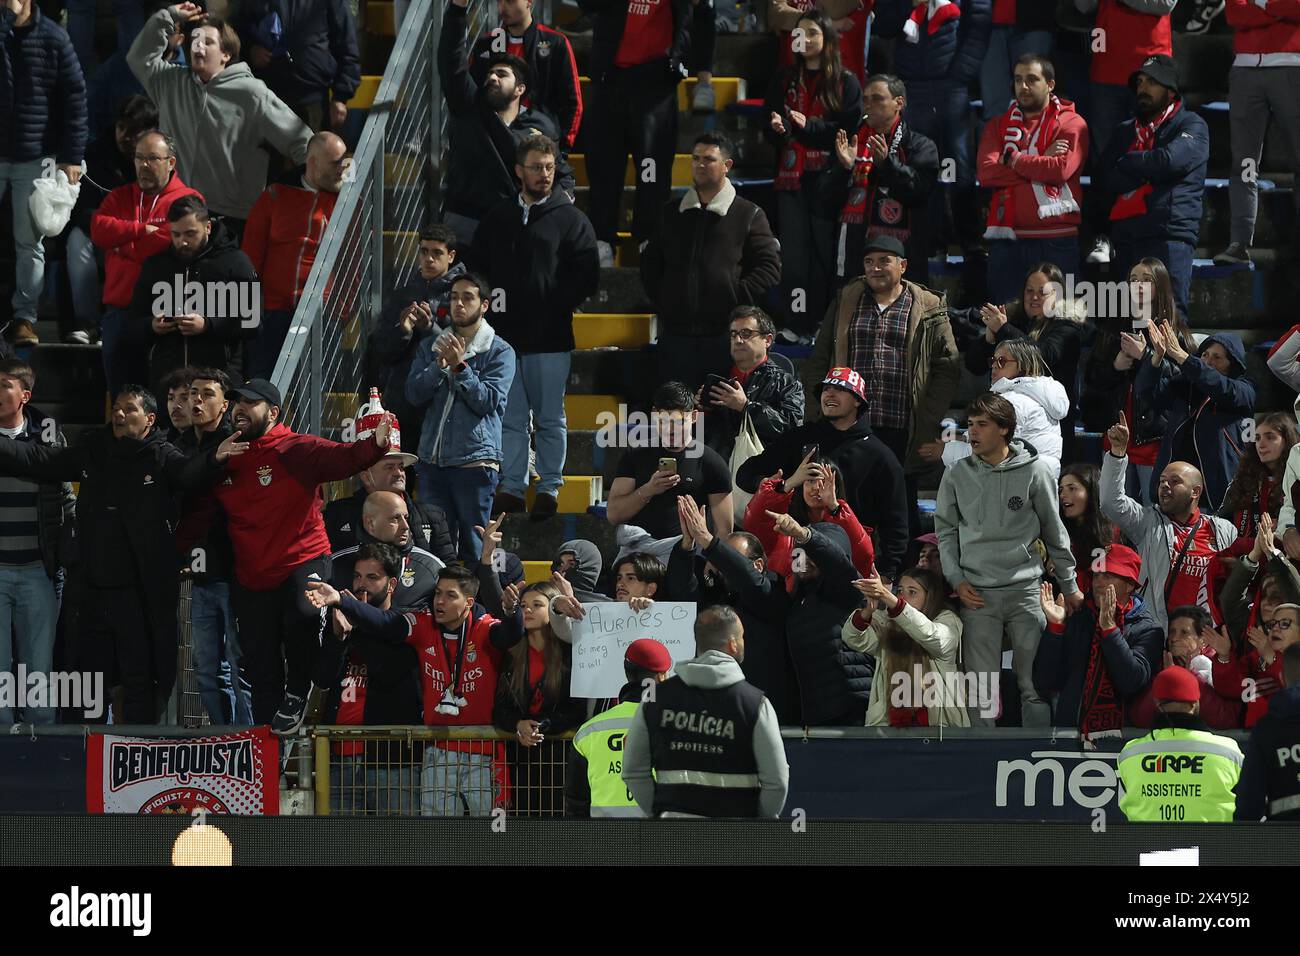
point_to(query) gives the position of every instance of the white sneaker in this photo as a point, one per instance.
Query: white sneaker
(1101, 250)
(606, 253)
(704, 100)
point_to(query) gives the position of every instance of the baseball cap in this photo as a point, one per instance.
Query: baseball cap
(1123, 562)
(885, 244)
(259, 390)
(648, 655)
(1176, 684)
(1160, 68)
(847, 379)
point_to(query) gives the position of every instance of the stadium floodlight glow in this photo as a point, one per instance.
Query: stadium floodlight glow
(202, 845)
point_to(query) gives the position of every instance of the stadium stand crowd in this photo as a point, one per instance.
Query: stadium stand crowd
(895, 424)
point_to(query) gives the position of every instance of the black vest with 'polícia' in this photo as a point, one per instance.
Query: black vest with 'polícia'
(702, 748)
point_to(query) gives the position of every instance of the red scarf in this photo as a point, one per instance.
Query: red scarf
(1134, 203)
(889, 217)
(1052, 200)
(796, 158)
(1100, 707)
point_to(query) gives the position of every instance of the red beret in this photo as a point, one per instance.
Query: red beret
(649, 655)
(1177, 684)
(1123, 562)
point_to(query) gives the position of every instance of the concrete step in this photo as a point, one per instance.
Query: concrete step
(590, 453)
(620, 291)
(540, 540)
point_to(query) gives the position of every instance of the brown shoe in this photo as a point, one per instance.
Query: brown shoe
(510, 504)
(544, 506)
(24, 333)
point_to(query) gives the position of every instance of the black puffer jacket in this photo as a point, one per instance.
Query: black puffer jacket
(1106, 392)
(834, 681)
(609, 18)
(481, 171)
(201, 531)
(317, 54)
(42, 92)
(56, 520)
(775, 406)
(221, 265)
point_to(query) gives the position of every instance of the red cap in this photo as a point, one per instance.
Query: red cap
(928, 538)
(1123, 562)
(648, 655)
(1176, 684)
(847, 379)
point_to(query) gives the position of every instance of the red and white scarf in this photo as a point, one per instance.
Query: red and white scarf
(932, 14)
(888, 216)
(1134, 203)
(796, 158)
(1052, 200)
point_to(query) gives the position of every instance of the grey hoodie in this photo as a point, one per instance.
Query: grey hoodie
(714, 670)
(218, 126)
(582, 576)
(988, 516)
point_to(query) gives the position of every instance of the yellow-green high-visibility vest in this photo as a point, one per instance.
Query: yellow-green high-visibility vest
(1176, 775)
(600, 741)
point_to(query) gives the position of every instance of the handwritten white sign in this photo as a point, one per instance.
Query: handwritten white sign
(601, 638)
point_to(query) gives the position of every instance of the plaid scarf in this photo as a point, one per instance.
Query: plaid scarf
(796, 158)
(888, 216)
(1134, 203)
(1052, 200)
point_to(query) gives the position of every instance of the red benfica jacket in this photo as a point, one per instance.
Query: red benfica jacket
(282, 236)
(118, 227)
(1131, 37)
(272, 499)
(1263, 30)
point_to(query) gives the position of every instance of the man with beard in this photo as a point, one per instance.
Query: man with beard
(272, 501)
(489, 122)
(218, 112)
(1155, 165)
(1031, 158)
(879, 186)
(463, 376)
(130, 478)
(196, 301)
(208, 561)
(131, 225)
(538, 249)
(428, 524)
(386, 520)
(1176, 540)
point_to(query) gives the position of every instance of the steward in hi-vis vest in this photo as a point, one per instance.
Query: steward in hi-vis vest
(1180, 772)
(594, 784)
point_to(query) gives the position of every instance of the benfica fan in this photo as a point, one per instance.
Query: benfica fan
(344, 521)
(1031, 157)
(880, 182)
(1192, 644)
(809, 103)
(460, 650)
(272, 501)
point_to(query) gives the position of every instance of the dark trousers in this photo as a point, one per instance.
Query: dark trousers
(1177, 257)
(280, 634)
(125, 355)
(940, 109)
(1011, 259)
(264, 350)
(704, 37)
(634, 111)
(895, 440)
(118, 641)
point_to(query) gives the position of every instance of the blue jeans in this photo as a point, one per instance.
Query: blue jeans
(29, 253)
(1011, 259)
(263, 350)
(538, 387)
(29, 610)
(1006, 45)
(465, 496)
(226, 696)
(455, 784)
(1177, 257)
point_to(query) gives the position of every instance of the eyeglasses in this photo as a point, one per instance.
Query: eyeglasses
(743, 335)
(1282, 625)
(1000, 361)
(538, 169)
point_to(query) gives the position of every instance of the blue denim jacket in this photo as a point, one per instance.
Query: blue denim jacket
(463, 421)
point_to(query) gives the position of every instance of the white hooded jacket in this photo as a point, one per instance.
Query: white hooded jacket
(1040, 402)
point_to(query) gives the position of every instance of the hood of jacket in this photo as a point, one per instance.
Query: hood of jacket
(233, 77)
(482, 341)
(587, 565)
(836, 535)
(1230, 342)
(221, 244)
(1043, 389)
(711, 670)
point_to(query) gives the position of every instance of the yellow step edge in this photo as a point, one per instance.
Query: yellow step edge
(583, 411)
(577, 494)
(535, 571)
(364, 97)
(594, 330)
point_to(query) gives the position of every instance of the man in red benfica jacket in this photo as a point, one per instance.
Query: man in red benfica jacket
(271, 496)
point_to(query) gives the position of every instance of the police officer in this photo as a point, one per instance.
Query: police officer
(707, 743)
(1179, 772)
(593, 781)
(1270, 778)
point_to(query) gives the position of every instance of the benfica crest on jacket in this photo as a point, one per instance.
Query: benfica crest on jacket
(264, 475)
